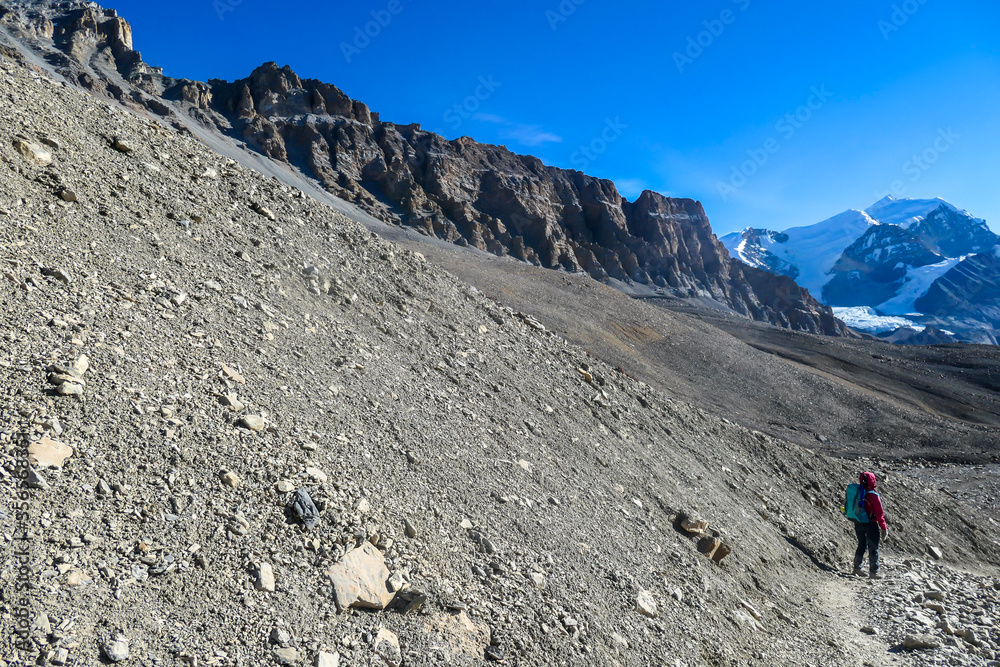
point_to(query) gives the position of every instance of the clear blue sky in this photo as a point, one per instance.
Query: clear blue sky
(888, 81)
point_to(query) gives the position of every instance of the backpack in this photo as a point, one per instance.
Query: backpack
(854, 504)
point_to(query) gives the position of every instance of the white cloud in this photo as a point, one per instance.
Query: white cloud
(526, 135)
(531, 135)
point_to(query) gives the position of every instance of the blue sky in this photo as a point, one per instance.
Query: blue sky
(772, 114)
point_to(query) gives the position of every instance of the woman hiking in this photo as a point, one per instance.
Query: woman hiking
(873, 530)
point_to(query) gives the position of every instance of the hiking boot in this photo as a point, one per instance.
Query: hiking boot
(875, 575)
(858, 572)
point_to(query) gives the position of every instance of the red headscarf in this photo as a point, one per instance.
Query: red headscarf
(867, 480)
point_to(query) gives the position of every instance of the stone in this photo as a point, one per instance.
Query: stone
(280, 636)
(408, 528)
(286, 655)
(935, 607)
(229, 478)
(116, 648)
(694, 526)
(721, 552)
(305, 508)
(121, 145)
(231, 373)
(33, 152)
(231, 402)
(920, 642)
(67, 195)
(387, 648)
(869, 630)
(466, 524)
(48, 453)
(316, 474)
(35, 480)
(708, 545)
(935, 553)
(69, 389)
(359, 580)
(538, 579)
(284, 486)
(363, 506)
(324, 659)
(645, 604)
(264, 580)
(253, 422)
(263, 210)
(61, 657)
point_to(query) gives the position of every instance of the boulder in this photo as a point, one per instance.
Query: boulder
(360, 579)
(48, 453)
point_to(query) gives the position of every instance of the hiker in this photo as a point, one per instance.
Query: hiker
(864, 508)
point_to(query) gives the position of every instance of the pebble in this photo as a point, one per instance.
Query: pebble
(264, 580)
(253, 422)
(305, 508)
(324, 659)
(116, 648)
(920, 642)
(387, 647)
(32, 151)
(280, 637)
(229, 478)
(286, 656)
(645, 604)
(121, 145)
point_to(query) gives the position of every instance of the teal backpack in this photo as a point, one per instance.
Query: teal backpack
(854, 504)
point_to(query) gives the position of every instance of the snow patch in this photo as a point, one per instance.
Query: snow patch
(907, 212)
(916, 284)
(864, 318)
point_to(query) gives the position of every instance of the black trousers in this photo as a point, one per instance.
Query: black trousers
(868, 536)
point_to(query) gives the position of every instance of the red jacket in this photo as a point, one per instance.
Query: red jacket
(873, 506)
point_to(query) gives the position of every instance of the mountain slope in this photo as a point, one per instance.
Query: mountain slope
(233, 339)
(460, 191)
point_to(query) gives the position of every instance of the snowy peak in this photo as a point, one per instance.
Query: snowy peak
(906, 212)
(888, 258)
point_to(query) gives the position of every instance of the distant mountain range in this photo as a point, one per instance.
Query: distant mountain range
(894, 269)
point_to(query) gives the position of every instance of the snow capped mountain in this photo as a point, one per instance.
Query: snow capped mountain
(905, 212)
(897, 257)
(804, 253)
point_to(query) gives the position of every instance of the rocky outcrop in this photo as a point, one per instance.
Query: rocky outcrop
(872, 269)
(971, 289)
(461, 191)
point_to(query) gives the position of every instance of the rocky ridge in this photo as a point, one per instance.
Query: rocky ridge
(239, 348)
(464, 192)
